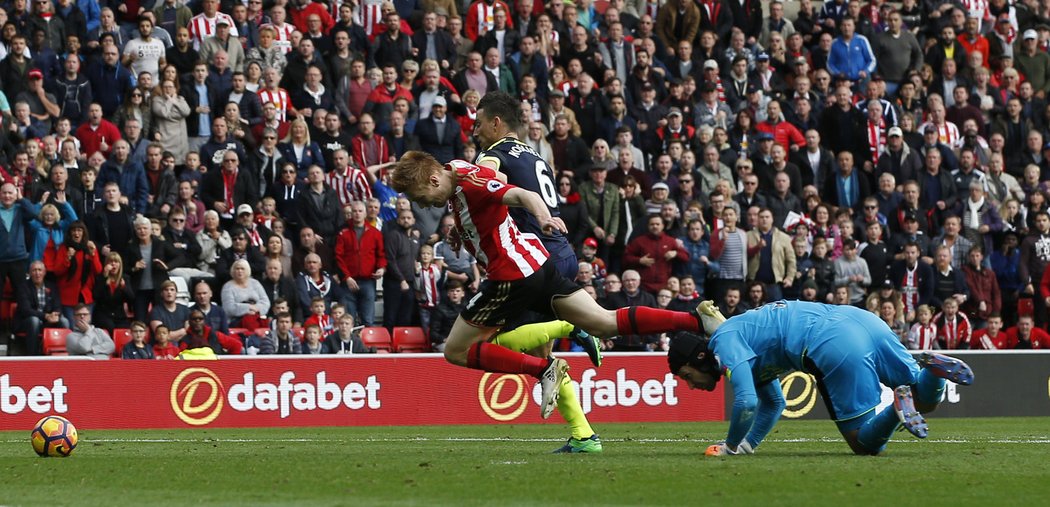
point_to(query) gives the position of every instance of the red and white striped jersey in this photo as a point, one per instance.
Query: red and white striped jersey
(922, 337)
(876, 139)
(350, 184)
(280, 98)
(978, 7)
(283, 38)
(369, 14)
(947, 133)
(484, 223)
(953, 333)
(427, 285)
(201, 27)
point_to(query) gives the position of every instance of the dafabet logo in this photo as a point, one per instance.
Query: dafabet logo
(197, 396)
(503, 397)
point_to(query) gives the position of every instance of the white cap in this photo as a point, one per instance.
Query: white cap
(245, 208)
(439, 101)
(1030, 34)
(895, 131)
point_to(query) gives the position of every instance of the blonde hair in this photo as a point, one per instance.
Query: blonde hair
(49, 208)
(291, 128)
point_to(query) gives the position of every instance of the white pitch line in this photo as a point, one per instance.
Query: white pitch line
(821, 440)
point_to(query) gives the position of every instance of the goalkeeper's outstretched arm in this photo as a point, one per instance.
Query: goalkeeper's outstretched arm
(745, 403)
(770, 406)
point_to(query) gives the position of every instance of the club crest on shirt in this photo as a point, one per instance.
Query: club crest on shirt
(493, 185)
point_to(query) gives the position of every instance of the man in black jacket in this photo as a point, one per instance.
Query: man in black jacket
(213, 186)
(442, 317)
(38, 307)
(278, 286)
(632, 295)
(401, 242)
(439, 134)
(318, 206)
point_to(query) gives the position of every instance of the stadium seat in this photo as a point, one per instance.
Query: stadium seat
(376, 338)
(239, 331)
(121, 337)
(300, 333)
(55, 341)
(410, 339)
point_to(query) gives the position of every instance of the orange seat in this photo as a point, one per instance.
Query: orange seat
(55, 341)
(121, 337)
(410, 339)
(377, 338)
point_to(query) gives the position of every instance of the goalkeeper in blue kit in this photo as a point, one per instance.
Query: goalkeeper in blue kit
(848, 350)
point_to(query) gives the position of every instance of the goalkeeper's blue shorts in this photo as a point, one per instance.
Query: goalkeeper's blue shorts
(851, 367)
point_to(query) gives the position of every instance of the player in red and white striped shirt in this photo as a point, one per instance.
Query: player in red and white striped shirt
(520, 278)
(348, 181)
(202, 25)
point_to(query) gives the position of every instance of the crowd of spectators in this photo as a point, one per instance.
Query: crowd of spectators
(234, 153)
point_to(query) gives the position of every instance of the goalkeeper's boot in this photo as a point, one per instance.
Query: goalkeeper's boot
(591, 444)
(945, 367)
(710, 317)
(911, 419)
(550, 382)
(590, 343)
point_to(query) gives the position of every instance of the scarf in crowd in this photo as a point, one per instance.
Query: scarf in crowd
(975, 216)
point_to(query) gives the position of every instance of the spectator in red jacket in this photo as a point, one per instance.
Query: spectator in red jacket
(784, 133)
(361, 259)
(301, 11)
(77, 266)
(992, 337)
(984, 299)
(368, 148)
(953, 327)
(200, 335)
(651, 254)
(1026, 336)
(98, 133)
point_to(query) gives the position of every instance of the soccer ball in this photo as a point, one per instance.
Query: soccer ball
(54, 436)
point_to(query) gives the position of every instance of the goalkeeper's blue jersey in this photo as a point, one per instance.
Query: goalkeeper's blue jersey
(781, 335)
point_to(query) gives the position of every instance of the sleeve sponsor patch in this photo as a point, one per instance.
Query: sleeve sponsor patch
(494, 185)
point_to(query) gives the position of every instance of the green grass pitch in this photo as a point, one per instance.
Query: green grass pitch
(964, 462)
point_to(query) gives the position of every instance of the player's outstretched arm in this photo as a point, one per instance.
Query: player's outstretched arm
(745, 404)
(521, 198)
(770, 406)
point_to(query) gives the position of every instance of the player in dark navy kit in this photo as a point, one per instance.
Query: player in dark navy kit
(499, 121)
(524, 168)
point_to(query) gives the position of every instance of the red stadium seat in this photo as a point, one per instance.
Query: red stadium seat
(121, 337)
(55, 341)
(377, 338)
(410, 339)
(300, 333)
(239, 332)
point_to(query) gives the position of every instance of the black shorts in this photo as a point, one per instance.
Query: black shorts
(497, 302)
